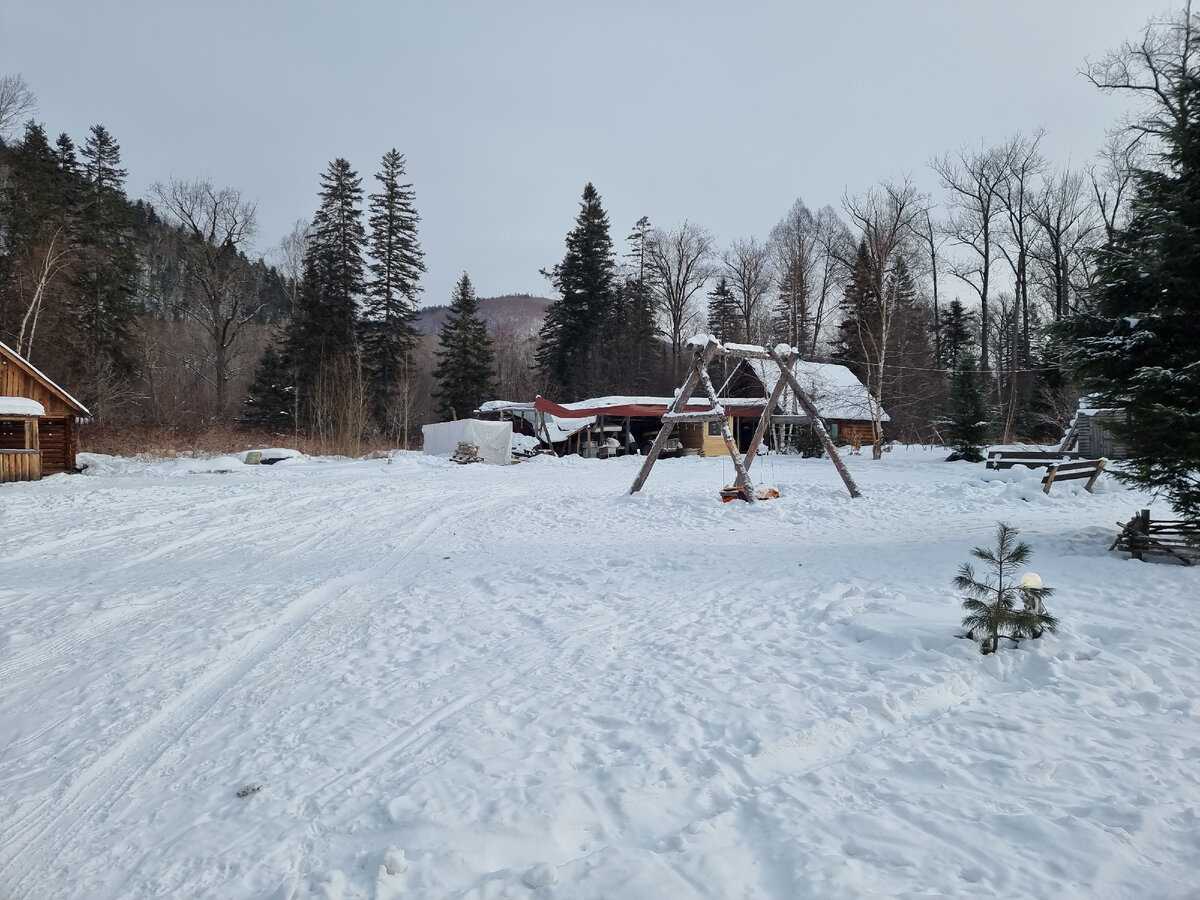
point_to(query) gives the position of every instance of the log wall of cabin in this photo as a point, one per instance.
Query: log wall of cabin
(56, 430)
(16, 382)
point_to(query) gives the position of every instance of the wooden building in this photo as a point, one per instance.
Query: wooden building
(842, 400)
(1090, 432)
(37, 421)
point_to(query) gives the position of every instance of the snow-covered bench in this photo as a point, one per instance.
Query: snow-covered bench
(1071, 471)
(1035, 459)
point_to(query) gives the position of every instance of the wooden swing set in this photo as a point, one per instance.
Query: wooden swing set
(705, 348)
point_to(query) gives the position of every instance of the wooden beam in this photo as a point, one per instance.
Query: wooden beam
(819, 426)
(702, 355)
(765, 419)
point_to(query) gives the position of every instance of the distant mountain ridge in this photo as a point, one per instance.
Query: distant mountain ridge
(514, 313)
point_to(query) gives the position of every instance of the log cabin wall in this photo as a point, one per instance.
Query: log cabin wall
(56, 435)
(852, 432)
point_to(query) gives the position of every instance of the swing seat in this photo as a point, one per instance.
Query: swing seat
(730, 492)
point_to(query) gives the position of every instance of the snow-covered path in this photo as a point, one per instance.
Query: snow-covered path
(487, 682)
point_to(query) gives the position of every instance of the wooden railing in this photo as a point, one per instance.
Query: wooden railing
(20, 465)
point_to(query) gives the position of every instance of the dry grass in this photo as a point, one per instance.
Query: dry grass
(168, 442)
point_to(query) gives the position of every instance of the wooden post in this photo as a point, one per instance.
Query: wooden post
(818, 425)
(1100, 464)
(701, 358)
(765, 419)
(1048, 481)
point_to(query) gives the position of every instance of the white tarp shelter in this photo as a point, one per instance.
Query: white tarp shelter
(494, 439)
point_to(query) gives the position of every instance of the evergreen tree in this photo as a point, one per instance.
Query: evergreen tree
(109, 269)
(466, 369)
(860, 315)
(724, 323)
(323, 330)
(631, 347)
(966, 422)
(991, 603)
(392, 293)
(956, 336)
(270, 402)
(1137, 348)
(570, 350)
(64, 153)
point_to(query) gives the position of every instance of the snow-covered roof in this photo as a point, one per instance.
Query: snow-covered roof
(71, 401)
(834, 389)
(20, 406)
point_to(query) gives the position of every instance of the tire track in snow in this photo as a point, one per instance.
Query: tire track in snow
(94, 790)
(417, 740)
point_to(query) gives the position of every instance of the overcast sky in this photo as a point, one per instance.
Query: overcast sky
(721, 113)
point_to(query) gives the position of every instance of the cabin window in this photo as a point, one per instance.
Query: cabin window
(714, 429)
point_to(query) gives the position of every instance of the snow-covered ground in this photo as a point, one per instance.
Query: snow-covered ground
(521, 682)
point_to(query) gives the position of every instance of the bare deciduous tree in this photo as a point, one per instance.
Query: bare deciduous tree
(680, 262)
(886, 218)
(807, 251)
(747, 266)
(1161, 69)
(1067, 223)
(43, 263)
(17, 102)
(973, 179)
(221, 289)
(1021, 166)
(288, 258)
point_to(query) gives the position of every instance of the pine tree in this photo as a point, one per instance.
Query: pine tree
(1137, 349)
(466, 369)
(393, 291)
(991, 603)
(323, 330)
(966, 422)
(570, 350)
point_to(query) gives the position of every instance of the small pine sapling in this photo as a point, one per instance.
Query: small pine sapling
(991, 603)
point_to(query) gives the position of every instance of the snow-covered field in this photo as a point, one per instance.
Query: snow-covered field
(521, 682)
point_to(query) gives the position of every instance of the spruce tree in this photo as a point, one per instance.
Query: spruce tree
(270, 402)
(1136, 349)
(323, 329)
(956, 334)
(860, 317)
(724, 323)
(966, 422)
(466, 369)
(393, 290)
(108, 273)
(631, 346)
(571, 345)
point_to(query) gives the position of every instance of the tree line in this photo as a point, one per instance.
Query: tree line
(960, 311)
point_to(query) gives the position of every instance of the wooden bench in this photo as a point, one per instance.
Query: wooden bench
(1035, 459)
(1071, 471)
(1173, 539)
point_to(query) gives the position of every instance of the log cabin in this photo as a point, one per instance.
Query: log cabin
(37, 421)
